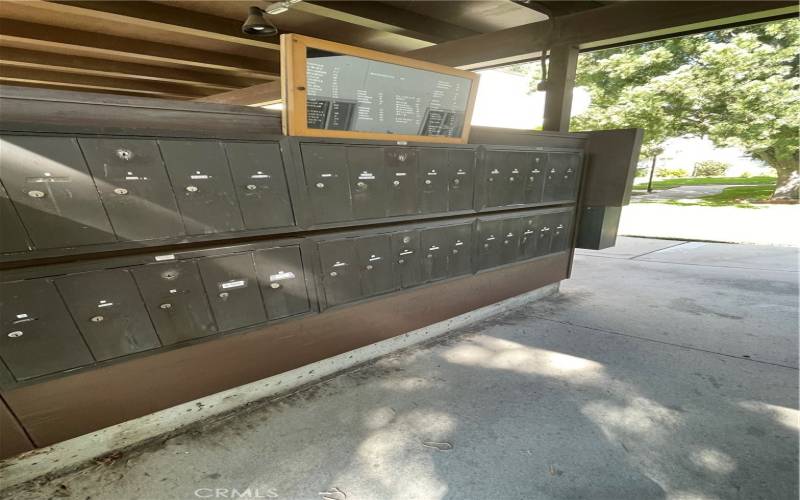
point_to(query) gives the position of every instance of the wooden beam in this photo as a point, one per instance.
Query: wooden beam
(150, 15)
(109, 46)
(36, 76)
(11, 56)
(563, 62)
(384, 17)
(622, 22)
(257, 95)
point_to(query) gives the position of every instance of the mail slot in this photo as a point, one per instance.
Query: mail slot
(401, 175)
(375, 264)
(327, 182)
(282, 280)
(54, 195)
(176, 300)
(534, 175)
(367, 181)
(459, 249)
(13, 237)
(461, 179)
(257, 170)
(433, 180)
(134, 187)
(233, 290)
(38, 334)
(109, 312)
(434, 248)
(406, 252)
(563, 174)
(340, 274)
(202, 182)
(489, 243)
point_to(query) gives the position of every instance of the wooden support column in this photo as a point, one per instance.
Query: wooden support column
(560, 82)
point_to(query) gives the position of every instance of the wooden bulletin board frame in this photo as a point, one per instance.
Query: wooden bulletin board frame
(294, 84)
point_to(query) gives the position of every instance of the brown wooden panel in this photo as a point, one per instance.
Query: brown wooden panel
(63, 408)
(13, 439)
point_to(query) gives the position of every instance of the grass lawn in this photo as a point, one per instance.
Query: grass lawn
(706, 181)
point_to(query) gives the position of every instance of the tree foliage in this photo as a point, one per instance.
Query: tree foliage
(738, 87)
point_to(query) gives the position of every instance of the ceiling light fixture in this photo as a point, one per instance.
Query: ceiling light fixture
(258, 25)
(280, 7)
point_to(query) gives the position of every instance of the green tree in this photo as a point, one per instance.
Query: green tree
(738, 87)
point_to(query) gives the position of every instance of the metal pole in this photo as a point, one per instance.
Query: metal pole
(652, 171)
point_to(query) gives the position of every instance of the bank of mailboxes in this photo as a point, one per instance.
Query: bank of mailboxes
(62, 192)
(57, 323)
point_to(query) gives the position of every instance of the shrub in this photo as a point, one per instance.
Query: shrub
(671, 172)
(710, 168)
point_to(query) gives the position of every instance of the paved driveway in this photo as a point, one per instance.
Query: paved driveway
(663, 370)
(685, 192)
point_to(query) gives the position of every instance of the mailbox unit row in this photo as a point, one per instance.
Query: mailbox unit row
(75, 315)
(98, 193)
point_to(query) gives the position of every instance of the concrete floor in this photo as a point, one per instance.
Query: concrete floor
(631, 384)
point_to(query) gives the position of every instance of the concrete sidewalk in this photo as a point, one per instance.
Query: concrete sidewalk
(663, 370)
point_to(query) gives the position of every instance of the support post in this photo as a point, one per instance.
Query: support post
(560, 82)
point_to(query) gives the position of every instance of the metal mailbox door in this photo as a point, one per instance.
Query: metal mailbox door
(367, 181)
(459, 248)
(38, 334)
(563, 174)
(375, 262)
(327, 181)
(341, 279)
(534, 175)
(561, 231)
(232, 289)
(55, 196)
(489, 244)
(406, 252)
(13, 237)
(461, 179)
(504, 182)
(401, 171)
(433, 253)
(201, 179)
(134, 187)
(109, 312)
(282, 280)
(258, 174)
(545, 235)
(433, 180)
(529, 236)
(176, 300)
(510, 249)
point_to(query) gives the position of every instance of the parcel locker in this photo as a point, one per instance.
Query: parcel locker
(341, 278)
(202, 182)
(406, 253)
(563, 174)
(260, 181)
(504, 181)
(461, 179)
(13, 237)
(109, 312)
(489, 243)
(433, 180)
(401, 171)
(55, 196)
(134, 188)
(282, 281)
(233, 291)
(434, 252)
(459, 249)
(38, 335)
(529, 236)
(176, 300)
(534, 174)
(327, 181)
(367, 181)
(375, 263)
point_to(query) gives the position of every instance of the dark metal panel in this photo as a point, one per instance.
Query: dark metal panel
(504, 177)
(176, 300)
(340, 274)
(562, 231)
(510, 248)
(563, 174)
(367, 181)
(134, 187)
(14, 440)
(530, 226)
(48, 181)
(327, 181)
(282, 280)
(532, 138)
(433, 180)
(597, 228)
(233, 290)
(258, 175)
(613, 156)
(401, 171)
(434, 248)
(109, 312)
(534, 174)
(375, 263)
(38, 335)
(489, 244)
(407, 258)
(461, 179)
(459, 249)
(13, 237)
(201, 179)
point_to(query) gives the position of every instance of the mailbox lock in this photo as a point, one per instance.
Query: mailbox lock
(455, 250)
(166, 306)
(320, 185)
(36, 194)
(406, 239)
(169, 275)
(191, 189)
(505, 242)
(251, 187)
(491, 179)
(369, 267)
(401, 261)
(402, 157)
(15, 334)
(361, 184)
(511, 179)
(427, 181)
(121, 191)
(275, 286)
(334, 274)
(223, 295)
(485, 245)
(396, 183)
(124, 154)
(96, 319)
(456, 181)
(430, 256)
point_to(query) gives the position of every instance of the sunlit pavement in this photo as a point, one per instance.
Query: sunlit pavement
(663, 370)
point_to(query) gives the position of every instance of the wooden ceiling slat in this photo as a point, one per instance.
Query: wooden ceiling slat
(107, 46)
(257, 94)
(8, 83)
